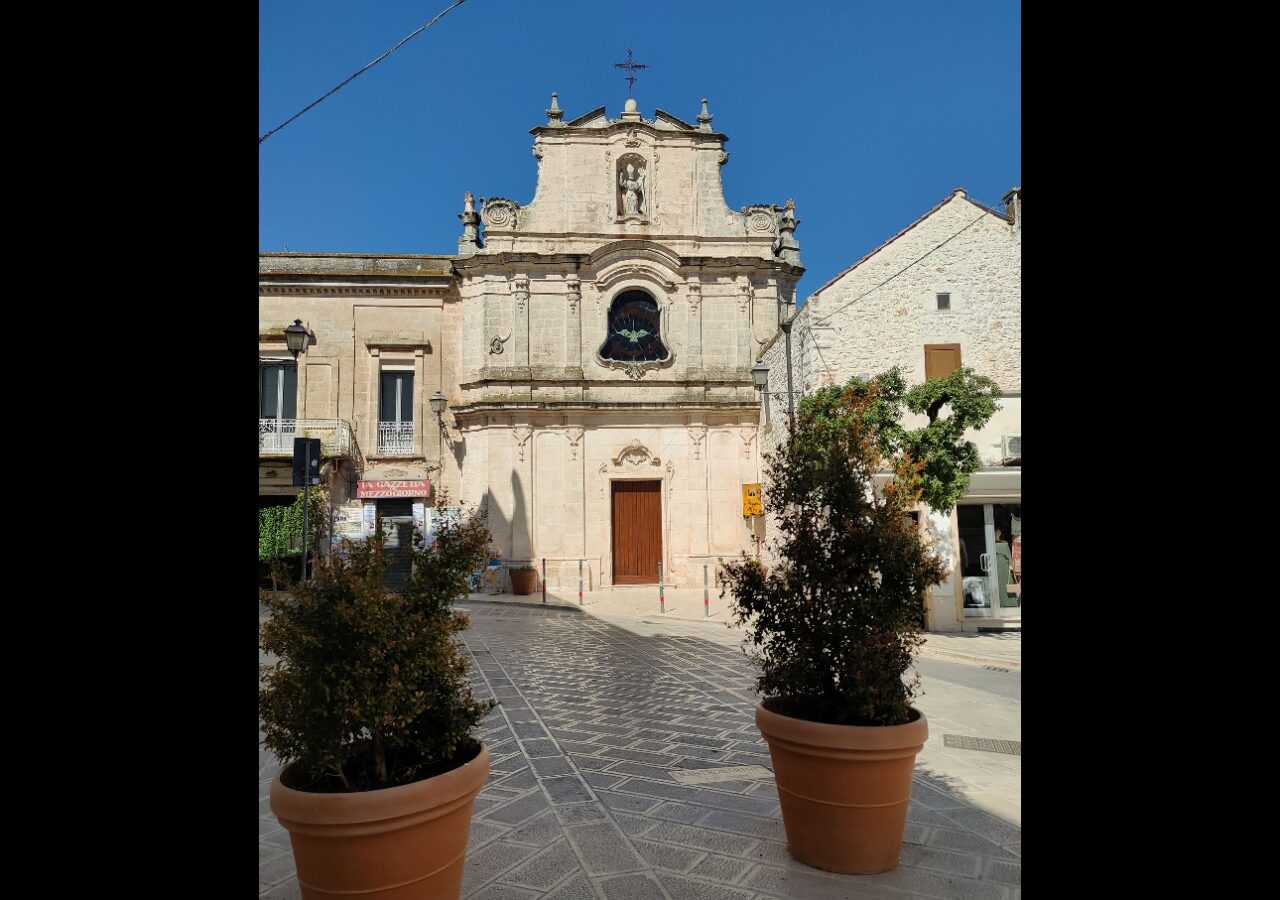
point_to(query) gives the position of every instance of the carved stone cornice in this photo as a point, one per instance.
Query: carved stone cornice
(269, 288)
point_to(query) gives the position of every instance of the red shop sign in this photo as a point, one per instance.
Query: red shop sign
(370, 490)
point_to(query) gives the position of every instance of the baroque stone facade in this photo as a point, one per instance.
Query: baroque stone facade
(602, 333)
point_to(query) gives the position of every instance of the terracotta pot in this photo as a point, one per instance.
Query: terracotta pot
(524, 581)
(400, 843)
(844, 789)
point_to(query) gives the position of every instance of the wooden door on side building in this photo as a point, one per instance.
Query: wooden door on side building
(637, 531)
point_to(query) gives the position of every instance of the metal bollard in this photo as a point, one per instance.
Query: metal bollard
(544, 579)
(579, 582)
(706, 597)
(662, 591)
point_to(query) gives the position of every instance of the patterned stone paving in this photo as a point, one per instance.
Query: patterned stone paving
(581, 803)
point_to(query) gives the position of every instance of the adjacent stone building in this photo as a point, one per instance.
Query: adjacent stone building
(946, 291)
(592, 349)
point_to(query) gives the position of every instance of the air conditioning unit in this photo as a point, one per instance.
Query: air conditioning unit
(1011, 448)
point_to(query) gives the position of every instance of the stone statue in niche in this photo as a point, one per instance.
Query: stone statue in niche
(632, 189)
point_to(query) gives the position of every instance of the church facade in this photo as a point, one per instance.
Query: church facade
(590, 352)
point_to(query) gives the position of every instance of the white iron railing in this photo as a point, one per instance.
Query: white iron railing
(395, 438)
(275, 436)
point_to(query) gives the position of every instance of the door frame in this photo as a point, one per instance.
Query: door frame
(662, 522)
(994, 611)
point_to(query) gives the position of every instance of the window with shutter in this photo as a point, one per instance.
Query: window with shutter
(940, 360)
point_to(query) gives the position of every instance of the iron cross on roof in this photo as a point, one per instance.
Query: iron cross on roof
(631, 66)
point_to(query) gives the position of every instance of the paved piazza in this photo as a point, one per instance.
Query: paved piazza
(588, 798)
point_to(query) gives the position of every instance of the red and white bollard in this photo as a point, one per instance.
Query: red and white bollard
(579, 582)
(706, 597)
(662, 591)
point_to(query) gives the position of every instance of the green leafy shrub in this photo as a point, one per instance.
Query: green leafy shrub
(280, 537)
(834, 626)
(370, 687)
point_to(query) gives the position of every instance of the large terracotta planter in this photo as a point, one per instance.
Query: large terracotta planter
(844, 789)
(524, 581)
(400, 843)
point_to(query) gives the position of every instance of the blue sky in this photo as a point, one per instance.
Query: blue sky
(867, 112)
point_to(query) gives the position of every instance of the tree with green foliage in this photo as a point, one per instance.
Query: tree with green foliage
(370, 689)
(280, 531)
(834, 626)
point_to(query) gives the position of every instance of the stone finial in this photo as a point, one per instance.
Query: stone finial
(631, 111)
(787, 247)
(1013, 207)
(705, 117)
(470, 241)
(555, 114)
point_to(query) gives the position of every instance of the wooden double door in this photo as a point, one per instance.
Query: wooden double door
(637, 531)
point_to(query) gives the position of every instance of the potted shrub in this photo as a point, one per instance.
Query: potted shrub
(835, 623)
(524, 579)
(370, 709)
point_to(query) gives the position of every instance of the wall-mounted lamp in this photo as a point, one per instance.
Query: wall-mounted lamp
(295, 337)
(760, 375)
(437, 403)
(760, 378)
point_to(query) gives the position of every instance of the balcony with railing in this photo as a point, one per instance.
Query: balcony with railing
(395, 438)
(275, 437)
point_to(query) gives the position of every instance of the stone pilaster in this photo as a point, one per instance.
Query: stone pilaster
(520, 320)
(694, 327)
(573, 325)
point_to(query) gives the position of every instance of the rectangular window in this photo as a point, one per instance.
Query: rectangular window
(940, 360)
(944, 301)
(277, 391)
(395, 413)
(396, 398)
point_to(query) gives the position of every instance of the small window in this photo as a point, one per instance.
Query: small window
(944, 301)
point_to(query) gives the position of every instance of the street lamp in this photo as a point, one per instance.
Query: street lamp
(295, 337)
(760, 378)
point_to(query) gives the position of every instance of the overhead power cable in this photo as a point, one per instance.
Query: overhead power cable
(365, 69)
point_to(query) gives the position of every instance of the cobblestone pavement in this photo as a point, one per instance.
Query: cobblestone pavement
(581, 803)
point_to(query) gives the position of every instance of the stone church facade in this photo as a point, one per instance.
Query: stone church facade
(593, 348)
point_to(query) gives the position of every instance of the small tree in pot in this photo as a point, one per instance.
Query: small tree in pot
(370, 706)
(524, 579)
(835, 624)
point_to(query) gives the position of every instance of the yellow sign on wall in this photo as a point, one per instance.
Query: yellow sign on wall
(752, 505)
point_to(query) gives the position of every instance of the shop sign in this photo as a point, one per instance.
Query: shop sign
(373, 490)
